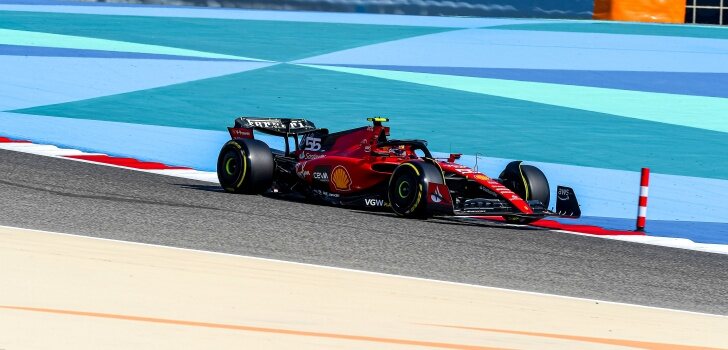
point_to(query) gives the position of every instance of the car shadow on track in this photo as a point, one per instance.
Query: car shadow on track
(443, 220)
(454, 220)
(218, 189)
(209, 188)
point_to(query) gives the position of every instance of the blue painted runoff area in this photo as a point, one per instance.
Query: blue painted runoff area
(261, 15)
(67, 79)
(524, 49)
(579, 9)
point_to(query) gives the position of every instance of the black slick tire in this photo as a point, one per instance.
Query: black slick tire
(245, 166)
(538, 185)
(527, 181)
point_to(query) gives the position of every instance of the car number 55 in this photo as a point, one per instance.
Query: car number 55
(312, 144)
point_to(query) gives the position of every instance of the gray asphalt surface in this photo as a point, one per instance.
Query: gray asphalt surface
(66, 196)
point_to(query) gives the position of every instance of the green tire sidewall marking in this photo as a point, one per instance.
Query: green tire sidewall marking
(417, 200)
(393, 204)
(419, 193)
(400, 189)
(228, 163)
(244, 170)
(525, 183)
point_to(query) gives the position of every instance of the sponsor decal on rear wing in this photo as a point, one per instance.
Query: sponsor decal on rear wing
(278, 126)
(241, 133)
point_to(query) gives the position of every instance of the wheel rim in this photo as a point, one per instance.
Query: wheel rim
(404, 189)
(404, 192)
(230, 166)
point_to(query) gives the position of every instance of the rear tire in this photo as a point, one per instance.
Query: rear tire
(245, 166)
(408, 186)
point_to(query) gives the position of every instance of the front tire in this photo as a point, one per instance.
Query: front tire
(527, 181)
(245, 166)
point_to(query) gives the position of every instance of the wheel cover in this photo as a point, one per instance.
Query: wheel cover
(407, 193)
(403, 189)
(230, 166)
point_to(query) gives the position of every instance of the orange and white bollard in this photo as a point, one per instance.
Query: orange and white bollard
(644, 189)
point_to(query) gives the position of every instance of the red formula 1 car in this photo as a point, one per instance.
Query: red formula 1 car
(363, 167)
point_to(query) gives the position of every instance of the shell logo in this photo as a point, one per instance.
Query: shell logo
(340, 178)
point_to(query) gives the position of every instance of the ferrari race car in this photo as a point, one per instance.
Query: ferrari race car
(363, 167)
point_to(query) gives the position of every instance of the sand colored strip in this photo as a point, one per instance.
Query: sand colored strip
(253, 329)
(70, 292)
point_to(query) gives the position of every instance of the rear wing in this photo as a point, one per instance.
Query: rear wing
(275, 126)
(283, 127)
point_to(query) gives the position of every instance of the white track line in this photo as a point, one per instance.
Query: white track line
(62, 153)
(672, 242)
(363, 271)
(211, 177)
(43, 150)
(206, 176)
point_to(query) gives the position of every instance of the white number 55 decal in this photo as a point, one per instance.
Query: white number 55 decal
(312, 144)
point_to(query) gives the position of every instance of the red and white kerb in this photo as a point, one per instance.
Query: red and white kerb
(644, 189)
(103, 159)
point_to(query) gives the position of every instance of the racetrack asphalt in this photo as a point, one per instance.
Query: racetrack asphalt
(73, 197)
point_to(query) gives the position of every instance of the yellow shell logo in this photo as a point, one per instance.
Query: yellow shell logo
(341, 179)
